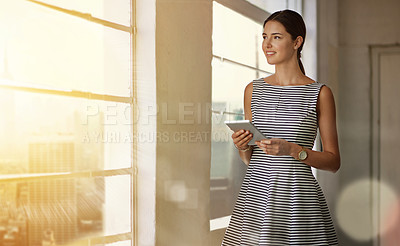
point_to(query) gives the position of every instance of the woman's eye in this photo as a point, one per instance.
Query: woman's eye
(277, 37)
(264, 37)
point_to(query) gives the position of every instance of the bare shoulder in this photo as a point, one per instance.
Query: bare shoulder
(249, 88)
(326, 93)
(248, 92)
(325, 99)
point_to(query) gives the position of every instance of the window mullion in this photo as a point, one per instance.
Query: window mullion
(63, 175)
(223, 59)
(87, 17)
(105, 240)
(69, 93)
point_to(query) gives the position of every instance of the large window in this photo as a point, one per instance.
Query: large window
(66, 146)
(238, 59)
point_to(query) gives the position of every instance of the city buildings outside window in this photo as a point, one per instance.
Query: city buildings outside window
(66, 95)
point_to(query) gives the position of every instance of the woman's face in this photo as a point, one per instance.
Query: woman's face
(277, 45)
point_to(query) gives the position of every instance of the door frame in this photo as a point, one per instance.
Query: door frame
(375, 53)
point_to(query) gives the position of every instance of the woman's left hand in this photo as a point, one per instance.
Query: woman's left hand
(275, 146)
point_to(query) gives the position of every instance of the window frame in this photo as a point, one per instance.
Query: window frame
(132, 171)
(258, 15)
(246, 9)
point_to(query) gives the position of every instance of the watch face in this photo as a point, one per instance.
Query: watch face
(302, 155)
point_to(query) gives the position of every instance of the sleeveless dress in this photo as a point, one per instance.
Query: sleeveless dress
(280, 201)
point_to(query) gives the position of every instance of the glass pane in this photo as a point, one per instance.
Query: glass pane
(63, 51)
(62, 211)
(117, 218)
(231, 30)
(270, 5)
(122, 243)
(47, 133)
(117, 11)
(229, 82)
(238, 38)
(227, 169)
(274, 5)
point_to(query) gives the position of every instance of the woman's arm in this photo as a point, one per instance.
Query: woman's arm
(241, 138)
(329, 158)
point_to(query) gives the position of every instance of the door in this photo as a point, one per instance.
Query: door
(386, 145)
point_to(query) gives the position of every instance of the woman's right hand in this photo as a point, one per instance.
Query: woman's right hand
(241, 139)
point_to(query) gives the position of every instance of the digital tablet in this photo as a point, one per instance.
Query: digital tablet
(237, 125)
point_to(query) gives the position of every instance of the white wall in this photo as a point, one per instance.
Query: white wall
(309, 53)
(327, 72)
(348, 28)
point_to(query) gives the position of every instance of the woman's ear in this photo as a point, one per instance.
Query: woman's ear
(298, 42)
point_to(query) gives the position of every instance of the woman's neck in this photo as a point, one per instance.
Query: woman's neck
(288, 74)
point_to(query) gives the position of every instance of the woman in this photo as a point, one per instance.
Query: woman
(280, 202)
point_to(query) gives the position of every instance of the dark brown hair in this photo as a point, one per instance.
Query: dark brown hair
(294, 25)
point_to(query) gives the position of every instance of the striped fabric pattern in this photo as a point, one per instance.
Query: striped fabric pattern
(280, 201)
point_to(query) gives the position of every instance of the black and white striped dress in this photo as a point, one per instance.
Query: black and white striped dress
(280, 202)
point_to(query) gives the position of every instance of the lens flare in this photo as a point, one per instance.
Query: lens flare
(363, 209)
